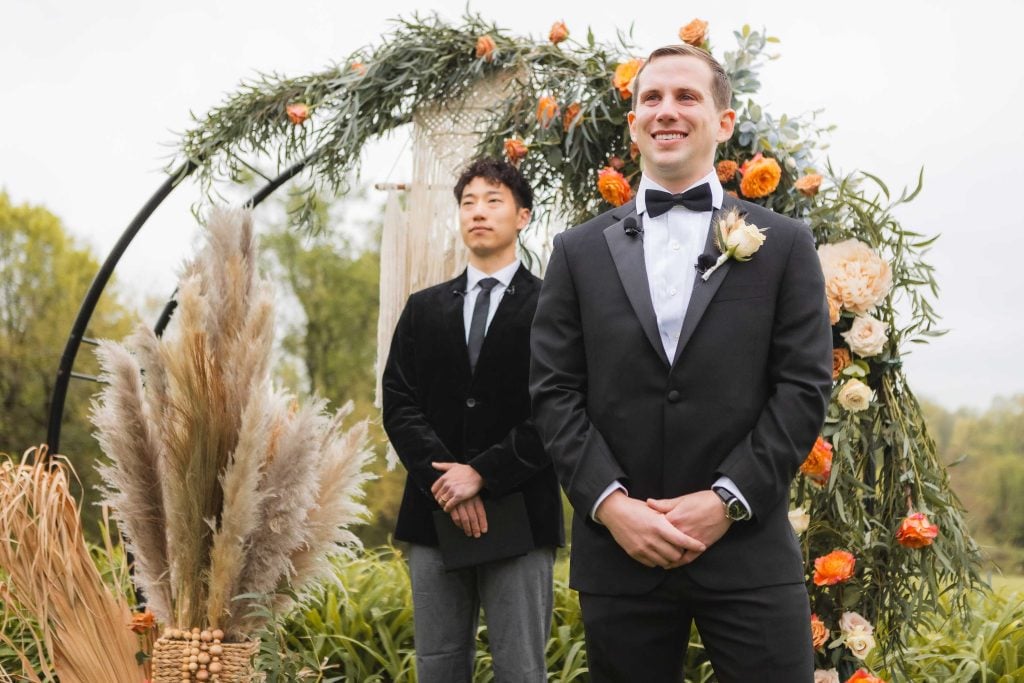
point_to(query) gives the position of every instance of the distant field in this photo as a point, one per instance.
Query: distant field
(1008, 583)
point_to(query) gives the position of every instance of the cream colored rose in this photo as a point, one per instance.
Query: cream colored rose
(851, 621)
(855, 396)
(744, 240)
(857, 633)
(866, 336)
(826, 676)
(856, 277)
(799, 519)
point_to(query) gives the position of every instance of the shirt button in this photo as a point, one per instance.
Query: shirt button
(674, 396)
(672, 291)
(674, 245)
(470, 402)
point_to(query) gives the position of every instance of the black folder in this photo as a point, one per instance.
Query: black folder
(508, 534)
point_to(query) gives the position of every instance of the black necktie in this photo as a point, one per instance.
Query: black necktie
(695, 199)
(478, 324)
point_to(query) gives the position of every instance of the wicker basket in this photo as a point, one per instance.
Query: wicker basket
(171, 659)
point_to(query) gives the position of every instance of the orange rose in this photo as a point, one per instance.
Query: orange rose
(726, 170)
(808, 185)
(359, 68)
(818, 465)
(833, 568)
(571, 117)
(916, 531)
(142, 622)
(297, 113)
(840, 361)
(547, 110)
(625, 73)
(694, 33)
(749, 162)
(515, 150)
(819, 632)
(485, 48)
(613, 186)
(864, 676)
(761, 178)
(559, 32)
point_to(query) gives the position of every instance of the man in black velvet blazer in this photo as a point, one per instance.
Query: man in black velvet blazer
(678, 408)
(457, 410)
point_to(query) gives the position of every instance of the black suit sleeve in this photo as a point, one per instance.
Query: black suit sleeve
(511, 461)
(763, 464)
(558, 385)
(407, 426)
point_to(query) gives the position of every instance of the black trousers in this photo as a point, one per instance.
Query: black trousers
(760, 634)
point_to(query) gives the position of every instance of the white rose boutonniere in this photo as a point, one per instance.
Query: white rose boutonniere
(736, 239)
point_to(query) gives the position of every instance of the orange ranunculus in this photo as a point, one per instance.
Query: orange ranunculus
(726, 170)
(613, 186)
(864, 676)
(840, 361)
(916, 531)
(485, 48)
(819, 632)
(808, 185)
(833, 568)
(571, 117)
(749, 162)
(359, 68)
(694, 33)
(818, 465)
(625, 73)
(559, 32)
(515, 150)
(547, 110)
(142, 622)
(761, 178)
(297, 113)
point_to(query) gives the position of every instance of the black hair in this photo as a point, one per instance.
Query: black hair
(497, 172)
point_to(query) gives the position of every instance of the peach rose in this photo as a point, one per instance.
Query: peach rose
(836, 567)
(625, 74)
(559, 32)
(761, 178)
(855, 396)
(515, 150)
(818, 464)
(571, 117)
(634, 151)
(297, 113)
(855, 276)
(866, 336)
(359, 68)
(726, 170)
(799, 520)
(864, 676)
(547, 110)
(826, 676)
(485, 48)
(840, 361)
(916, 531)
(613, 186)
(819, 632)
(835, 310)
(616, 162)
(694, 33)
(808, 185)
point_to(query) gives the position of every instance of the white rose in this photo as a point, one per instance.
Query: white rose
(743, 240)
(799, 519)
(826, 676)
(851, 621)
(855, 396)
(866, 336)
(860, 643)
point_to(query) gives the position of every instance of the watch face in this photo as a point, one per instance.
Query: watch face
(736, 511)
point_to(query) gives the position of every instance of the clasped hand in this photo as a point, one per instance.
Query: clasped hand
(456, 491)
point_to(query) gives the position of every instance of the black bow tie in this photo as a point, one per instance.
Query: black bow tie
(695, 199)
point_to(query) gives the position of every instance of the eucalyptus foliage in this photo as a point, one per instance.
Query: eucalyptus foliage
(885, 463)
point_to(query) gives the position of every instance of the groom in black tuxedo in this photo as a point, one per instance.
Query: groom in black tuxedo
(677, 408)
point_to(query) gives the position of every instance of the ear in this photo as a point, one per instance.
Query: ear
(522, 218)
(631, 119)
(726, 124)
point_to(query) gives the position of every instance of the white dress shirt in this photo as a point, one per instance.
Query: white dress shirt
(473, 278)
(672, 243)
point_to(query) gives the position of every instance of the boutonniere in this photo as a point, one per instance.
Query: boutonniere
(735, 239)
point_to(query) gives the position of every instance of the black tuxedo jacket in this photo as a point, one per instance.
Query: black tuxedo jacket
(435, 409)
(744, 397)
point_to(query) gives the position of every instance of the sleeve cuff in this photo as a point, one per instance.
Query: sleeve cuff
(730, 486)
(612, 488)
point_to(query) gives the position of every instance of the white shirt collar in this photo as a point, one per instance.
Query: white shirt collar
(504, 276)
(647, 184)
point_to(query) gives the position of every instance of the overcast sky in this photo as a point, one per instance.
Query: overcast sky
(95, 93)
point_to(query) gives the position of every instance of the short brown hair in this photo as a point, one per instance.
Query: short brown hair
(721, 88)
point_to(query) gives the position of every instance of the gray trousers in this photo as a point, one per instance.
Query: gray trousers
(517, 599)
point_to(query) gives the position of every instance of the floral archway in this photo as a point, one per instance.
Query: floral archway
(883, 534)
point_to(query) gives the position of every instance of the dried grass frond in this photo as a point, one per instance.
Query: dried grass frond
(53, 579)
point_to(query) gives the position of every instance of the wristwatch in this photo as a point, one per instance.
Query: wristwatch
(734, 509)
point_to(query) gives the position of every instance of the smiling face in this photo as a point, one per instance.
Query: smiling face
(675, 122)
(490, 221)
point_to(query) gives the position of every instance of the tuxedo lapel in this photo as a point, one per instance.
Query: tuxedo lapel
(704, 290)
(628, 254)
(452, 304)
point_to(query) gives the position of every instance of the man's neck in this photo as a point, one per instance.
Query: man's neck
(491, 263)
(676, 185)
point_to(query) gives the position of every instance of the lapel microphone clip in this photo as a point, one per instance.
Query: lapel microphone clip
(630, 227)
(704, 261)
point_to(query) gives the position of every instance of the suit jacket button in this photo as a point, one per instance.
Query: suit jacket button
(674, 396)
(470, 402)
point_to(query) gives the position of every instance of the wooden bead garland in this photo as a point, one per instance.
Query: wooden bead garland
(183, 656)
